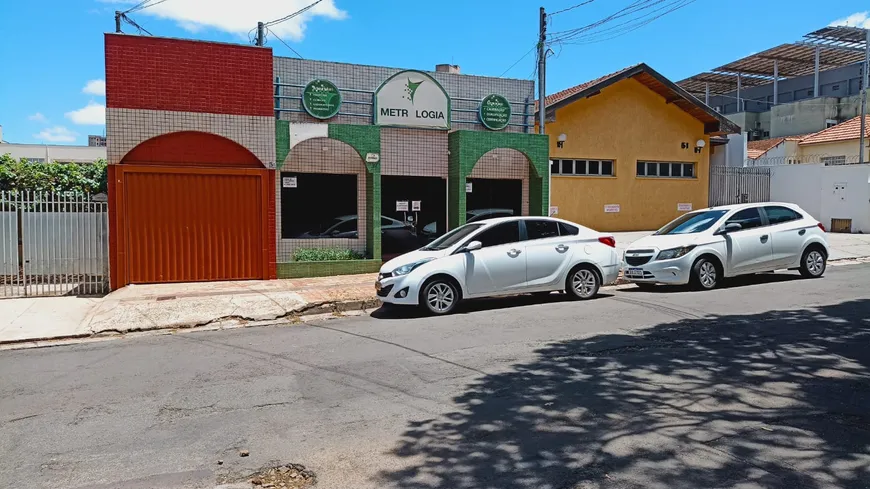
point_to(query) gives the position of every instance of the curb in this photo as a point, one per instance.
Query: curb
(291, 317)
(309, 311)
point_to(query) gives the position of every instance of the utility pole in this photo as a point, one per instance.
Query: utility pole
(542, 71)
(260, 33)
(542, 96)
(118, 21)
(864, 95)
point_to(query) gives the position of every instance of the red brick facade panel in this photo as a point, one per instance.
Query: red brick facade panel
(191, 148)
(189, 76)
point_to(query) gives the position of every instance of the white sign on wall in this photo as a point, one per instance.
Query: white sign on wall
(468, 188)
(401, 206)
(288, 182)
(554, 210)
(611, 208)
(684, 207)
(373, 157)
(412, 98)
(415, 205)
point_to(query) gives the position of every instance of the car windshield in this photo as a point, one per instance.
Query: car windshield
(452, 237)
(691, 223)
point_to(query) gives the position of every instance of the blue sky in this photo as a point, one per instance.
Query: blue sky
(52, 51)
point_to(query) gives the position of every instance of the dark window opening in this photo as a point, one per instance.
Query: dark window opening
(305, 214)
(568, 230)
(778, 214)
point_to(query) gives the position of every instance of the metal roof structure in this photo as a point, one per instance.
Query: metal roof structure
(836, 47)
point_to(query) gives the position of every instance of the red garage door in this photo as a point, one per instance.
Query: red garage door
(193, 224)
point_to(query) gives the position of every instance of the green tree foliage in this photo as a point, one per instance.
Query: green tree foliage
(77, 178)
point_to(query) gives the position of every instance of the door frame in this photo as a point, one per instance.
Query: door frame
(118, 256)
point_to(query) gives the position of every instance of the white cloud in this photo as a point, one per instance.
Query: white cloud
(95, 87)
(858, 19)
(240, 17)
(56, 134)
(37, 117)
(93, 114)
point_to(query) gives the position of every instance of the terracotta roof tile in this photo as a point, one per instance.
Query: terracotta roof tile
(755, 149)
(562, 95)
(843, 131)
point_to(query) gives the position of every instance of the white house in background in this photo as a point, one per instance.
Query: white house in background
(41, 153)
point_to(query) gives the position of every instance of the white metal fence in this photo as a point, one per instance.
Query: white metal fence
(736, 185)
(52, 244)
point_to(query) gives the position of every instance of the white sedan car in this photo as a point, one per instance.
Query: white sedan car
(511, 255)
(704, 246)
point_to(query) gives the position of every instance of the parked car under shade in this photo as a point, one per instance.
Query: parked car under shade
(502, 256)
(430, 231)
(703, 247)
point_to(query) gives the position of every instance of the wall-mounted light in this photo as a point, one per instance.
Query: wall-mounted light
(701, 143)
(560, 141)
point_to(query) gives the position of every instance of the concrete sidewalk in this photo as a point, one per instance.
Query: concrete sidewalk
(228, 304)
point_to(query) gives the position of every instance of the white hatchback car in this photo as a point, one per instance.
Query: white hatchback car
(704, 246)
(511, 255)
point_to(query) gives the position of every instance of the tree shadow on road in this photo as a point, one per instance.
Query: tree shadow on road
(774, 400)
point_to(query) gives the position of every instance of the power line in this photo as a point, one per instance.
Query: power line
(587, 2)
(628, 26)
(143, 6)
(518, 61)
(134, 24)
(284, 43)
(288, 17)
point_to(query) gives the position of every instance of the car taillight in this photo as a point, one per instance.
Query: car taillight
(822, 227)
(608, 240)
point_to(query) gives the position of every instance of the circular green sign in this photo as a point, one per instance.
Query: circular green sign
(495, 112)
(321, 99)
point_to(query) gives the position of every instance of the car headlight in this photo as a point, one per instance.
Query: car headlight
(406, 269)
(674, 252)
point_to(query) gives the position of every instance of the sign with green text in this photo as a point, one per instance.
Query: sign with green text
(495, 112)
(321, 99)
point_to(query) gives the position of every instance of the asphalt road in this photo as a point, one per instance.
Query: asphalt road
(764, 384)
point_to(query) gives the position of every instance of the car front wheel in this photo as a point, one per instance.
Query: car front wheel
(813, 263)
(440, 296)
(705, 274)
(583, 283)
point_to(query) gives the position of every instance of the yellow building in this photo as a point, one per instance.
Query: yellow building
(630, 151)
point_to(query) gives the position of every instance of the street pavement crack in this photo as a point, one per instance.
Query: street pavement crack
(398, 345)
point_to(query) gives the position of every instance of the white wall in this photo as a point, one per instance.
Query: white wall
(8, 243)
(812, 187)
(51, 152)
(65, 243)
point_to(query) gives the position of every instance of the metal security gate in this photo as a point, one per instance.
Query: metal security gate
(52, 245)
(736, 185)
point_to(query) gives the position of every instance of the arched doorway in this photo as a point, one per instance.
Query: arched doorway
(498, 186)
(189, 207)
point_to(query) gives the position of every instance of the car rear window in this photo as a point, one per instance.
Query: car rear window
(568, 230)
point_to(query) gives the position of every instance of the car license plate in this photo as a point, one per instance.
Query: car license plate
(634, 272)
(378, 286)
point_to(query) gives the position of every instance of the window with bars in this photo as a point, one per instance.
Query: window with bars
(833, 160)
(665, 169)
(604, 168)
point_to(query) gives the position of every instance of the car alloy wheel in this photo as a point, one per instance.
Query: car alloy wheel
(440, 297)
(584, 283)
(813, 264)
(705, 274)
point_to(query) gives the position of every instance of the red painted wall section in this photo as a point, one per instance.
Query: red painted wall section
(188, 76)
(191, 148)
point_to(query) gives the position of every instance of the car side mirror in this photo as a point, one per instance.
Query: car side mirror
(474, 245)
(729, 228)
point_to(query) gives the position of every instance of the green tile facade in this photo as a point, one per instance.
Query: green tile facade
(282, 142)
(467, 147)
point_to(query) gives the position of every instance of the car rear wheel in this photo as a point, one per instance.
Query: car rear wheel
(813, 263)
(583, 283)
(440, 296)
(705, 274)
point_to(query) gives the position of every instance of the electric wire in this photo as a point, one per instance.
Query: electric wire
(270, 31)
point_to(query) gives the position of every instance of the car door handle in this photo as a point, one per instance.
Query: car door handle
(802, 232)
(514, 253)
(764, 239)
(561, 248)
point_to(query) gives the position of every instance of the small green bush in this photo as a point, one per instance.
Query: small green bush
(325, 254)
